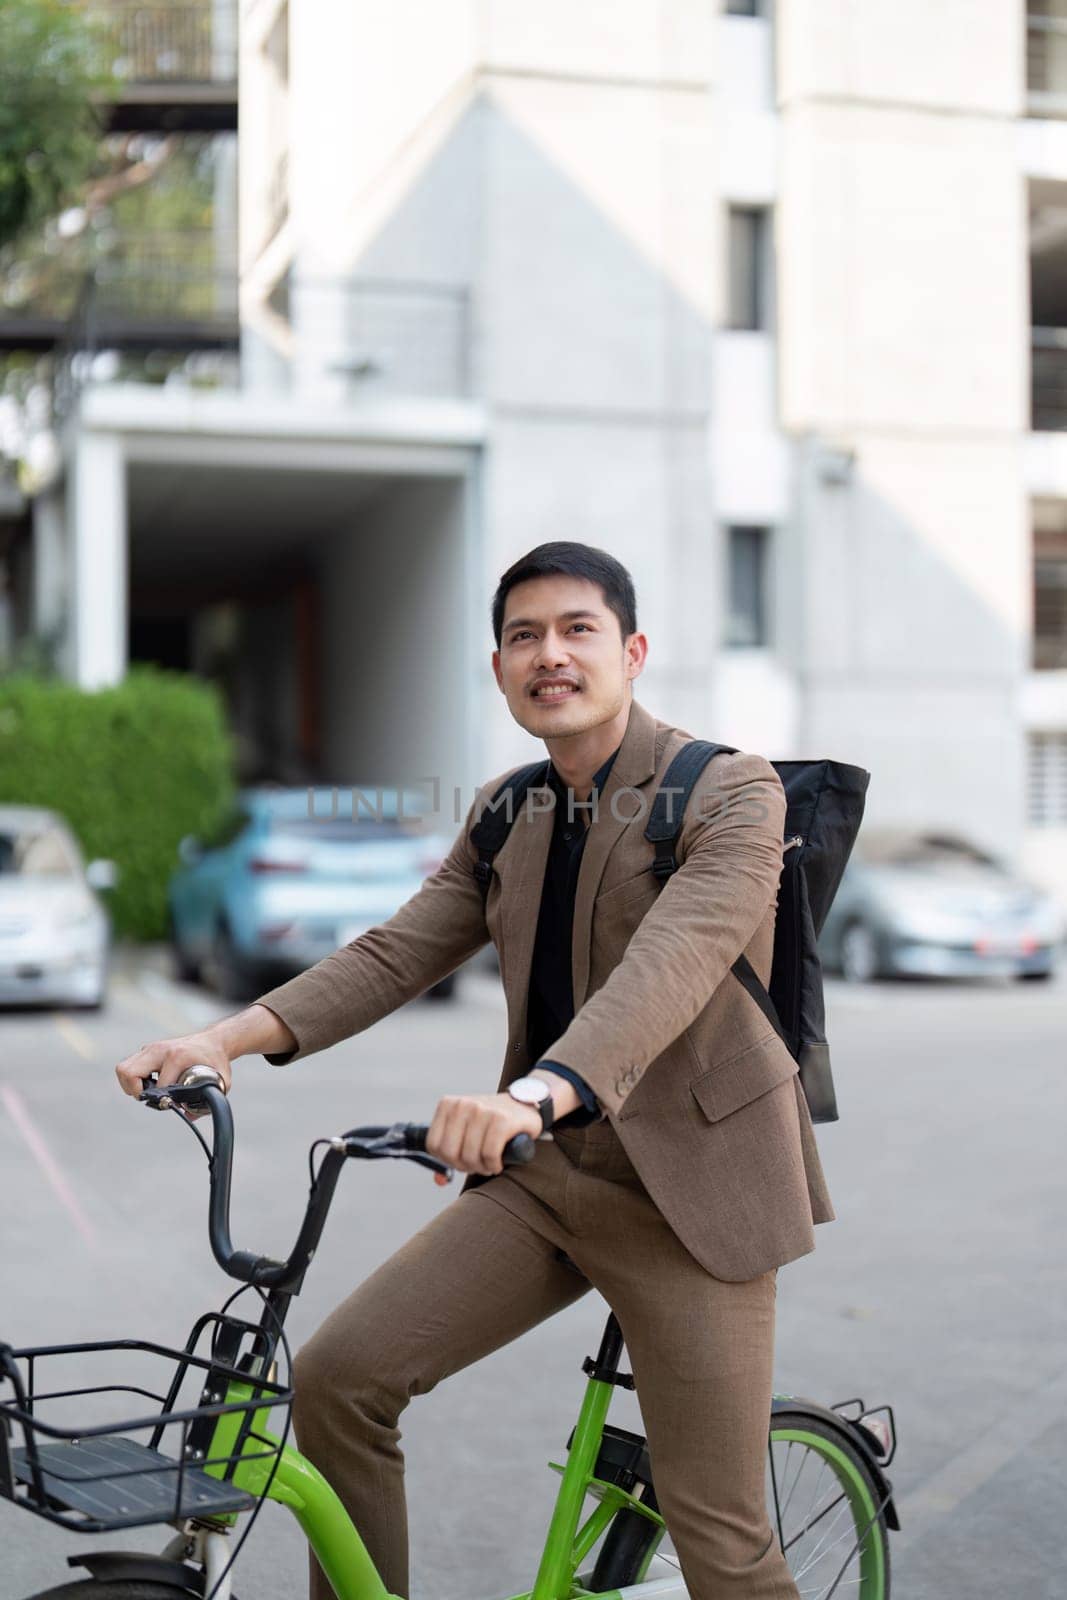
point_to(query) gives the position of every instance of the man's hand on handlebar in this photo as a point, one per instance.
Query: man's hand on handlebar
(469, 1131)
(168, 1059)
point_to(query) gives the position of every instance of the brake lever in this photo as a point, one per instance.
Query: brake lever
(152, 1096)
(187, 1092)
(432, 1164)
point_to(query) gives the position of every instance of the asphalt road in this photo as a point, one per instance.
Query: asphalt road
(942, 1287)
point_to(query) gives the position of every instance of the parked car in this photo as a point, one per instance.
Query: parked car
(283, 882)
(55, 934)
(934, 905)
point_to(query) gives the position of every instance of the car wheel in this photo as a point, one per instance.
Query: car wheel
(443, 990)
(1042, 976)
(186, 970)
(232, 978)
(860, 958)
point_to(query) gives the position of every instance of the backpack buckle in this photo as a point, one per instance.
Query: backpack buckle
(483, 872)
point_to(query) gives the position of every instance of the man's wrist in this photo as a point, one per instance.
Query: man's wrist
(565, 1097)
(255, 1031)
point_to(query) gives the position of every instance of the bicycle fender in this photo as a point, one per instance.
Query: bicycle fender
(104, 1565)
(855, 1436)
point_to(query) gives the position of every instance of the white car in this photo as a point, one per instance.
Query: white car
(55, 935)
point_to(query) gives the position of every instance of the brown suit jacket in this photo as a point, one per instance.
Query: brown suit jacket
(699, 1088)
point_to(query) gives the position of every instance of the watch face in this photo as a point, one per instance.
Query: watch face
(529, 1091)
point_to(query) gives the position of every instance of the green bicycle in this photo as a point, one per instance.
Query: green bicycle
(204, 1454)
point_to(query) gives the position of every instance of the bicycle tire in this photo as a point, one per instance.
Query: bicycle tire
(632, 1540)
(112, 1589)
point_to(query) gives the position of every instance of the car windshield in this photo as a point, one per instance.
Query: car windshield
(36, 853)
(345, 816)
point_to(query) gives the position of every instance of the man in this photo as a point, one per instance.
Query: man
(682, 1171)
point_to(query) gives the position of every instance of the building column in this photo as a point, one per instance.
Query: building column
(98, 562)
(49, 602)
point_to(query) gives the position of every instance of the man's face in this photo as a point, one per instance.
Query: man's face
(563, 665)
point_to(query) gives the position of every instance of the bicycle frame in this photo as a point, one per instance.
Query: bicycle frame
(293, 1482)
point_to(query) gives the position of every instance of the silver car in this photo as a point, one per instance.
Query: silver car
(55, 935)
(934, 905)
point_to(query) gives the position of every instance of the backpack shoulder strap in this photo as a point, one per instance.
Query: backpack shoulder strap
(494, 824)
(748, 978)
(664, 826)
(672, 797)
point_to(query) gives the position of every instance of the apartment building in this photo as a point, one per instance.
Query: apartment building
(747, 298)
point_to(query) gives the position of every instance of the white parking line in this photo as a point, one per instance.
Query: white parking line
(15, 1107)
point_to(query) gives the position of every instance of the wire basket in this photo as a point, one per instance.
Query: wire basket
(62, 1462)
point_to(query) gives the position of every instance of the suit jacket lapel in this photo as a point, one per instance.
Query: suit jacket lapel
(634, 765)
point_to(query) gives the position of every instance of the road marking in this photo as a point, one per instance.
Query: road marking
(15, 1107)
(76, 1037)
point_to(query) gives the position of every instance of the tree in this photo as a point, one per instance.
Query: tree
(51, 68)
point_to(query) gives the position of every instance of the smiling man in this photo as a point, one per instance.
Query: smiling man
(682, 1170)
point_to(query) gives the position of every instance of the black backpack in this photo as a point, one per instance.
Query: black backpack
(824, 809)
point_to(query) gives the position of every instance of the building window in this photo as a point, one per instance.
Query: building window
(748, 268)
(1047, 780)
(1046, 57)
(742, 8)
(1050, 599)
(747, 566)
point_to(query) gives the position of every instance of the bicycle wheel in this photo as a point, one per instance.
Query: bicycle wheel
(823, 1504)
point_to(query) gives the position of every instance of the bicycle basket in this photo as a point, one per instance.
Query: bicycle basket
(63, 1457)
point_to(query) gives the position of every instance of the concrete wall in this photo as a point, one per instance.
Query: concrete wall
(902, 325)
(396, 641)
(547, 161)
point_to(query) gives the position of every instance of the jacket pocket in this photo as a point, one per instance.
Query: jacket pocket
(641, 883)
(741, 1079)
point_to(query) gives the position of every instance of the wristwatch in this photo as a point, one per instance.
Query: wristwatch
(534, 1092)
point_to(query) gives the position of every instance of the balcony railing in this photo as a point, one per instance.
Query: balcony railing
(168, 42)
(1046, 65)
(158, 317)
(368, 336)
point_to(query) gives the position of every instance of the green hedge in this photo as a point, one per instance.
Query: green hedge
(132, 769)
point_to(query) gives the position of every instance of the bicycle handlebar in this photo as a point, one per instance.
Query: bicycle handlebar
(204, 1092)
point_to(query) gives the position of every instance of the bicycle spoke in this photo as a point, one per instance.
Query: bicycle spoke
(814, 1522)
(821, 1542)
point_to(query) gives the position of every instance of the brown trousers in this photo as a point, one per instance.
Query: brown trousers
(490, 1266)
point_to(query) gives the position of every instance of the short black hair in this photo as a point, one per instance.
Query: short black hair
(573, 561)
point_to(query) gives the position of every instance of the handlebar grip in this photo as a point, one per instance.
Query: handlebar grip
(519, 1149)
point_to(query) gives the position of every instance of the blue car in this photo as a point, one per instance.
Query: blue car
(289, 877)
